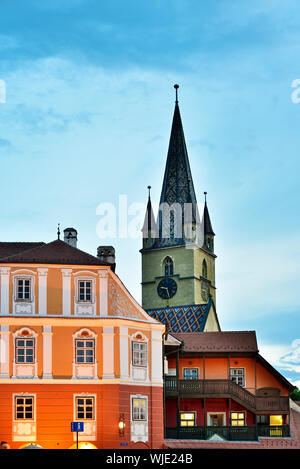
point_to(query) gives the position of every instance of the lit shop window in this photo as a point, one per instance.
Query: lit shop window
(25, 350)
(85, 350)
(190, 373)
(238, 376)
(85, 408)
(187, 419)
(139, 409)
(24, 407)
(139, 354)
(237, 419)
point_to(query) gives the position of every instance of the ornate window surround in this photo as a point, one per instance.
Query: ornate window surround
(24, 306)
(24, 430)
(25, 370)
(90, 425)
(138, 428)
(84, 370)
(139, 373)
(85, 308)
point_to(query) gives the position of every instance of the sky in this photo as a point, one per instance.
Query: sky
(86, 104)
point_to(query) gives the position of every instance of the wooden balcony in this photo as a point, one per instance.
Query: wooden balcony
(246, 433)
(217, 388)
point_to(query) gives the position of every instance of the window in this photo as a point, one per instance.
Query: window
(25, 350)
(85, 291)
(139, 409)
(23, 289)
(23, 407)
(139, 354)
(190, 373)
(237, 419)
(85, 408)
(238, 376)
(262, 420)
(187, 419)
(85, 350)
(169, 266)
(204, 269)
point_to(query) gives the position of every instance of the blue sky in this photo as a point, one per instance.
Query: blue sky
(89, 104)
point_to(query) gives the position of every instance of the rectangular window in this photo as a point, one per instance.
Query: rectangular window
(237, 419)
(85, 350)
(85, 408)
(190, 373)
(25, 350)
(85, 291)
(23, 289)
(262, 420)
(139, 354)
(238, 376)
(187, 419)
(139, 409)
(24, 407)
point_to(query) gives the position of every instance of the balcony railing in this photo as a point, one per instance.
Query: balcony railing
(246, 433)
(225, 388)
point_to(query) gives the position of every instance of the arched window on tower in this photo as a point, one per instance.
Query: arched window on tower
(169, 266)
(204, 269)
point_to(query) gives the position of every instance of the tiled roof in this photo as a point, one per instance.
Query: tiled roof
(12, 248)
(56, 252)
(189, 318)
(228, 341)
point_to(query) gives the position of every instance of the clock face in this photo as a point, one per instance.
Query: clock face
(204, 291)
(167, 288)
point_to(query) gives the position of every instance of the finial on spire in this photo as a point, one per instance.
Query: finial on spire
(176, 90)
(58, 231)
(149, 188)
(205, 193)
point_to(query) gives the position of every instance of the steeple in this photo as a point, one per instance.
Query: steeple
(207, 228)
(178, 184)
(149, 229)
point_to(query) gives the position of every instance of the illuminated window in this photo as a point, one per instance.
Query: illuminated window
(85, 408)
(190, 373)
(23, 289)
(169, 266)
(139, 409)
(238, 376)
(25, 350)
(187, 419)
(237, 419)
(85, 350)
(85, 291)
(276, 420)
(24, 407)
(139, 354)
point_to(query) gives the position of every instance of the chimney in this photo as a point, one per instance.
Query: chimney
(70, 237)
(107, 255)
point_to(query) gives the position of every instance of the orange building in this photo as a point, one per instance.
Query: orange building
(220, 391)
(75, 347)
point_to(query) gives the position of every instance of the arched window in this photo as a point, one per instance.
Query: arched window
(204, 269)
(169, 266)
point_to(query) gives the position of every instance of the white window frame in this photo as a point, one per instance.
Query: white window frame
(139, 428)
(191, 368)
(84, 348)
(85, 307)
(25, 338)
(237, 376)
(141, 362)
(90, 425)
(85, 370)
(23, 429)
(209, 414)
(25, 369)
(138, 372)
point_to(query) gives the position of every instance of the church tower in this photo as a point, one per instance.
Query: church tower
(178, 259)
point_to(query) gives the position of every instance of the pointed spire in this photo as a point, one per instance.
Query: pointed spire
(206, 220)
(178, 183)
(149, 222)
(58, 231)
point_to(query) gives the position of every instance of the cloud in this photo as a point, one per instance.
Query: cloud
(284, 357)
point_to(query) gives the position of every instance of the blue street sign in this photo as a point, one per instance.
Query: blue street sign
(77, 426)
